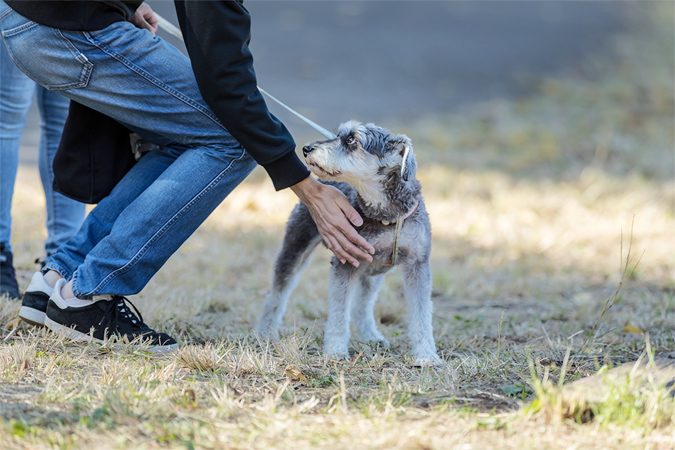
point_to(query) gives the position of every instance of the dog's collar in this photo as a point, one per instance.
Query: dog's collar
(402, 218)
(397, 234)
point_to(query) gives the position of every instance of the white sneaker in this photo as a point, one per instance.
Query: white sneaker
(34, 304)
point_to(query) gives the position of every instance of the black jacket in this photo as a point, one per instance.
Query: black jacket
(75, 15)
(217, 35)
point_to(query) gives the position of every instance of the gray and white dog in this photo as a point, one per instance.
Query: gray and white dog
(376, 171)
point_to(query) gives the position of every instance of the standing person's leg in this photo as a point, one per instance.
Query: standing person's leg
(16, 94)
(64, 215)
(148, 85)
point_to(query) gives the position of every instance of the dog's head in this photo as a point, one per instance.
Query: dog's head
(367, 157)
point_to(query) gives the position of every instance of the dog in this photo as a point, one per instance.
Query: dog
(376, 171)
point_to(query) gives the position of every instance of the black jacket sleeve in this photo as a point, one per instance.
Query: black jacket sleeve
(217, 34)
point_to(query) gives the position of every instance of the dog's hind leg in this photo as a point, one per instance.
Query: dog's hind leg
(362, 310)
(417, 283)
(300, 239)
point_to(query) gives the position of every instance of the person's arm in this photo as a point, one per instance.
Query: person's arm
(216, 35)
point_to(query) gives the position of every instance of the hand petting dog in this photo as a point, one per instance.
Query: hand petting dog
(328, 206)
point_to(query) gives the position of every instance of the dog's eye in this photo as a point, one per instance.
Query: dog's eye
(351, 140)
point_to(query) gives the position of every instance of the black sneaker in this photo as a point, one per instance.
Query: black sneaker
(102, 318)
(8, 284)
(34, 304)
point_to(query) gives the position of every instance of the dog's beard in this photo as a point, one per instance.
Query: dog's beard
(321, 172)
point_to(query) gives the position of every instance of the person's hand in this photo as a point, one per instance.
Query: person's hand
(145, 18)
(332, 214)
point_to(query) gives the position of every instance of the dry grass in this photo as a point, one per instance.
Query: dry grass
(534, 204)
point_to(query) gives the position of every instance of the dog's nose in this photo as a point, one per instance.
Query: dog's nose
(306, 150)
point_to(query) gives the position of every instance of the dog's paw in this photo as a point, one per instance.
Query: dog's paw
(265, 332)
(382, 343)
(338, 356)
(336, 351)
(375, 338)
(432, 360)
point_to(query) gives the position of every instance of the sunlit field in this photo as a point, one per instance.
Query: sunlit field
(553, 258)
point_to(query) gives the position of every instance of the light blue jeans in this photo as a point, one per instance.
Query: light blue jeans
(64, 216)
(145, 83)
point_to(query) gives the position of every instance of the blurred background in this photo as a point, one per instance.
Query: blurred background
(393, 62)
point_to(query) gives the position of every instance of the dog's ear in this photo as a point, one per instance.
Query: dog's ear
(402, 146)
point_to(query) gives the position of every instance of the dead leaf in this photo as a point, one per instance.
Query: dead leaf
(295, 374)
(632, 329)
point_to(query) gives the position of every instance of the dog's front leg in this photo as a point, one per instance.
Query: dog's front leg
(342, 286)
(362, 309)
(417, 282)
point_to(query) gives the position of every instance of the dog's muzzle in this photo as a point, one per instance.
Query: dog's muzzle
(307, 149)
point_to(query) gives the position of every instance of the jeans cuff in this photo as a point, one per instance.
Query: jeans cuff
(77, 292)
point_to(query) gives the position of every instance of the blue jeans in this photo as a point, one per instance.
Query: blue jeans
(64, 216)
(145, 83)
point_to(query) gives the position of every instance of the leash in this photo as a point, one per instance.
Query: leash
(397, 234)
(174, 31)
(314, 125)
(400, 219)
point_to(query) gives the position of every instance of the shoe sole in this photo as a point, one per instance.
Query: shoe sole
(75, 335)
(32, 316)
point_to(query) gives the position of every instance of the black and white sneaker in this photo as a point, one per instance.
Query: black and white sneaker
(34, 304)
(102, 318)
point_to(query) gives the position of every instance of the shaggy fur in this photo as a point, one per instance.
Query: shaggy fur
(364, 162)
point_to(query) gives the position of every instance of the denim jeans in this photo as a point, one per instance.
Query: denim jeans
(64, 216)
(145, 83)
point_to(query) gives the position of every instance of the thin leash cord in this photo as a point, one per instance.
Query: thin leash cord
(400, 219)
(173, 30)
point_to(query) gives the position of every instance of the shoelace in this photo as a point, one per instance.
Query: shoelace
(119, 311)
